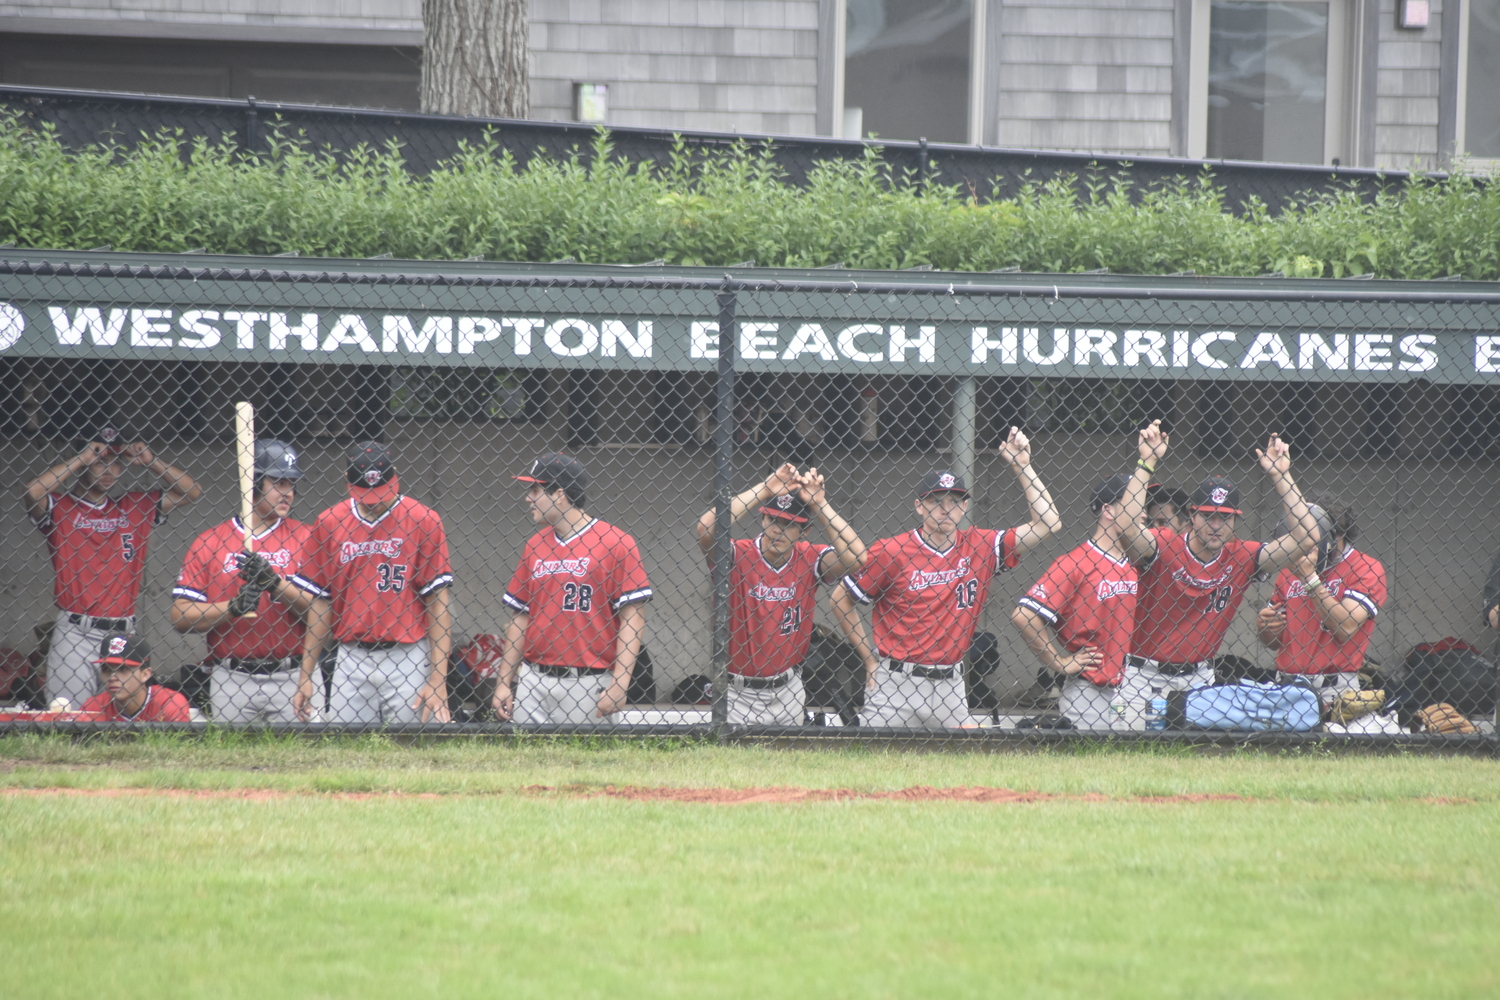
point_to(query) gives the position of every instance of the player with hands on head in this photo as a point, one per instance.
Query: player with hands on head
(379, 574)
(578, 600)
(1086, 599)
(255, 660)
(928, 587)
(1192, 585)
(98, 545)
(1323, 609)
(773, 582)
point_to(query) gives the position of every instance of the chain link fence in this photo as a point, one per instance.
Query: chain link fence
(85, 117)
(758, 505)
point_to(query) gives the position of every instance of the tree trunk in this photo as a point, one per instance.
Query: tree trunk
(476, 57)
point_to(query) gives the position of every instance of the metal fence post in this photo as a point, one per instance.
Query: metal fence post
(724, 494)
(252, 126)
(965, 406)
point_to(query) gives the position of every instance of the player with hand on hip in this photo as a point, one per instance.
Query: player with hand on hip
(1191, 585)
(928, 587)
(773, 584)
(379, 574)
(578, 600)
(255, 659)
(98, 545)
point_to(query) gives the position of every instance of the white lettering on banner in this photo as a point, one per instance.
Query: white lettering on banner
(588, 338)
(980, 345)
(349, 331)
(87, 320)
(1372, 352)
(1202, 344)
(1087, 343)
(523, 332)
(476, 330)
(614, 334)
(925, 342)
(1268, 349)
(1487, 355)
(199, 324)
(1181, 340)
(762, 592)
(1031, 346)
(922, 579)
(1115, 588)
(703, 340)
(1332, 353)
(561, 567)
(754, 345)
(388, 547)
(281, 329)
(12, 325)
(146, 325)
(849, 342)
(810, 339)
(399, 332)
(244, 327)
(1148, 344)
(1418, 347)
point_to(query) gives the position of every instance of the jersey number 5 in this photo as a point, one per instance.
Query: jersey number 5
(968, 593)
(392, 577)
(578, 597)
(127, 546)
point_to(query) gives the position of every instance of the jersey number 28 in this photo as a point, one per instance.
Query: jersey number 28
(578, 597)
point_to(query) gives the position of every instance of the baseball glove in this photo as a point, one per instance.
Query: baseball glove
(257, 571)
(1444, 718)
(246, 601)
(1351, 705)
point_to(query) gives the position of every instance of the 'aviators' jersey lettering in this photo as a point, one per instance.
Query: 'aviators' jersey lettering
(101, 524)
(763, 592)
(388, 547)
(922, 579)
(560, 567)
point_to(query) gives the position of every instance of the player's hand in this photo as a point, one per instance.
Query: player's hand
(1016, 449)
(504, 701)
(1495, 616)
(612, 698)
(1084, 659)
(1277, 458)
(256, 570)
(1270, 621)
(432, 701)
(870, 668)
(810, 488)
(246, 601)
(138, 454)
(1307, 565)
(302, 701)
(783, 480)
(91, 453)
(1152, 443)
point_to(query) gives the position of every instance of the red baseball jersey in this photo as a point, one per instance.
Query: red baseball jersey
(210, 574)
(572, 590)
(162, 705)
(1089, 597)
(1186, 605)
(377, 572)
(99, 551)
(770, 609)
(927, 602)
(1307, 647)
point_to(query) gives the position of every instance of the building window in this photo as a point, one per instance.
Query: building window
(1269, 80)
(907, 69)
(1480, 81)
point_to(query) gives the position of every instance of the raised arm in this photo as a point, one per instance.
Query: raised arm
(848, 555)
(1342, 619)
(1276, 462)
(1151, 448)
(783, 480)
(846, 613)
(181, 490)
(57, 477)
(1044, 517)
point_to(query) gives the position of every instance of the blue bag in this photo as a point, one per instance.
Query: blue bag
(1247, 707)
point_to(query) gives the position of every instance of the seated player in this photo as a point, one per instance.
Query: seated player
(1087, 599)
(128, 695)
(773, 587)
(1321, 617)
(1167, 507)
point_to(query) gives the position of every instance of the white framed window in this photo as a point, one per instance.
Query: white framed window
(1270, 80)
(1477, 125)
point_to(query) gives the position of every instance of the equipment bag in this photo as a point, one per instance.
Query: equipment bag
(1248, 706)
(1447, 672)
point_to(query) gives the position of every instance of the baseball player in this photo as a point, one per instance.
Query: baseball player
(378, 569)
(928, 587)
(1167, 507)
(1087, 597)
(1192, 585)
(124, 666)
(1322, 612)
(98, 546)
(773, 583)
(578, 600)
(255, 660)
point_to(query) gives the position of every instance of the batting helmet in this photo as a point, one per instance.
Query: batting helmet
(1325, 534)
(276, 459)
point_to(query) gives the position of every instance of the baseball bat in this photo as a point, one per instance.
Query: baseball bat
(244, 446)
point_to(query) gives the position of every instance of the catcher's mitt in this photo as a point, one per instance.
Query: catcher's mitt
(246, 601)
(1444, 718)
(1351, 705)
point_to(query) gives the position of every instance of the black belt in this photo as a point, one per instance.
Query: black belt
(552, 671)
(257, 666)
(1317, 680)
(101, 624)
(1170, 669)
(377, 647)
(927, 673)
(762, 683)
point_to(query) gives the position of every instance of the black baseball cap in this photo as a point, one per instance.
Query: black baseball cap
(557, 471)
(1216, 495)
(370, 464)
(1112, 490)
(276, 459)
(789, 506)
(110, 435)
(1160, 493)
(125, 649)
(942, 482)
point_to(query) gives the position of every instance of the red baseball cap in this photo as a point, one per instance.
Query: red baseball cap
(372, 474)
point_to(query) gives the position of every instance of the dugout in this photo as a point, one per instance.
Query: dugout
(1387, 390)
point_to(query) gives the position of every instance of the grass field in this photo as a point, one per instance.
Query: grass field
(360, 869)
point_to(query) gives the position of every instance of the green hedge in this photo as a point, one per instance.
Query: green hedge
(171, 193)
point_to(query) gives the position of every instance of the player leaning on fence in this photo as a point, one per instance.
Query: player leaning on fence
(928, 587)
(578, 597)
(773, 589)
(98, 544)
